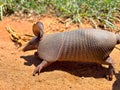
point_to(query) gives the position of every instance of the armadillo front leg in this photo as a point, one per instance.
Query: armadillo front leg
(43, 64)
(111, 68)
(36, 54)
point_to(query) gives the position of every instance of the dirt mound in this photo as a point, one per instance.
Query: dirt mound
(16, 66)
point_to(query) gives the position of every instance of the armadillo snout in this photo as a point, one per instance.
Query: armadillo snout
(29, 47)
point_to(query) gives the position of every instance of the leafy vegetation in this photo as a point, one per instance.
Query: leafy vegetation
(102, 13)
(1, 10)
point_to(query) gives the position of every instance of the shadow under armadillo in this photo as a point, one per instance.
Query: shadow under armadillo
(31, 60)
(75, 68)
(116, 84)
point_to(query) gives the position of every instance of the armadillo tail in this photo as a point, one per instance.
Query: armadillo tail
(118, 38)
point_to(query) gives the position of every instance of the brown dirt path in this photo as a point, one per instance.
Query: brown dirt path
(16, 66)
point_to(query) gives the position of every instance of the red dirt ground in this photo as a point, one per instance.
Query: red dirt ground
(16, 67)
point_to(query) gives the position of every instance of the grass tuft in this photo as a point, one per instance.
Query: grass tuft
(99, 12)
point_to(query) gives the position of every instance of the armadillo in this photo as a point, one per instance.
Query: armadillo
(82, 45)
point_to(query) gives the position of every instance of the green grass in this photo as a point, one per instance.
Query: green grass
(1, 10)
(102, 13)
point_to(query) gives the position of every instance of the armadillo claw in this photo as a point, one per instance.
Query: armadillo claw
(37, 70)
(109, 77)
(33, 74)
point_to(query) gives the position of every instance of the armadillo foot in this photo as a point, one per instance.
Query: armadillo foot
(109, 77)
(40, 67)
(111, 68)
(111, 73)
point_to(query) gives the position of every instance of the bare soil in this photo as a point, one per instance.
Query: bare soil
(16, 67)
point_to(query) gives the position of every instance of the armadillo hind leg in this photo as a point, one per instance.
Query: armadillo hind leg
(43, 64)
(109, 61)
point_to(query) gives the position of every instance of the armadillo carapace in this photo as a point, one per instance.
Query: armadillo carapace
(77, 45)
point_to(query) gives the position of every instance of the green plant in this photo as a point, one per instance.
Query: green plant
(1, 10)
(99, 12)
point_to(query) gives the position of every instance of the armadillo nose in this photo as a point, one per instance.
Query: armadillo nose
(24, 50)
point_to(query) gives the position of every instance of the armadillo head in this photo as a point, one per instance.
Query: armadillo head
(34, 42)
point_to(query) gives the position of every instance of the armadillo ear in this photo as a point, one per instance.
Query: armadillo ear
(38, 29)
